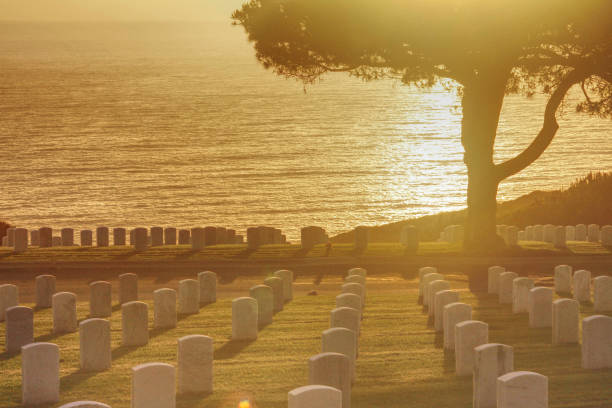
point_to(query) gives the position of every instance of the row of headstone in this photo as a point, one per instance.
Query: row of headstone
(558, 235)
(409, 239)
(140, 238)
(332, 372)
(491, 364)
(452, 234)
(562, 315)
(262, 235)
(311, 236)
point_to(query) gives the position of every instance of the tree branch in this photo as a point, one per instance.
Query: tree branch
(546, 134)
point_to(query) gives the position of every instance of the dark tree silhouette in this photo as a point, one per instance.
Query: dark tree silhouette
(483, 49)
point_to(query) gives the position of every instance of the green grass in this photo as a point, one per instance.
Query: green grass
(401, 361)
(266, 252)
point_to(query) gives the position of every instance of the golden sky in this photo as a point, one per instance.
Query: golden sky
(117, 10)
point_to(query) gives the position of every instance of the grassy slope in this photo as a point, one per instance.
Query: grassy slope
(401, 361)
(587, 201)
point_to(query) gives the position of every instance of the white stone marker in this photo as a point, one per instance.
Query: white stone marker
(529, 233)
(333, 370)
(128, 288)
(538, 233)
(95, 345)
(606, 235)
(277, 289)
(563, 279)
(512, 236)
(433, 288)
(170, 236)
(570, 232)
(19, 328)
(522, 389)
(315, 396)
(559, 239)
(85, 404)
(602, 294)
(208, 287)
(581, 232)
(102, 235)
(341, 340)
(582, 285)
(493, 279)
(119, 235)
(40, 379)
(67, 235)
(358, 271)
(454, 313)
(355, 279)
(45, 237)
(134, 324)
(549, 233)
(346, 317)
(597, 342)
(64, 313)
(164, 308)
(189, 296)
(100, 299)
(157, 236)
(506, 287)
(45, 288)
(468, 334)
(153, 385)
(244, 319)
(565, 324)
(287, 278)
(491, 361)
(422, 272)
(9, 297)
(141, 239)
(430, 277)
(86, 238)
(195, 365)
(593, 233)
(21, 240)
(540, 307)
(441, 299)
(356, 289)
(520, 294)
(349, 300)
(265, 303)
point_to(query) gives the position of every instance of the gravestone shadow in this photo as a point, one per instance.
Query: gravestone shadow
(246, 253)
(126, 255)
(301, 253)
(231, 349)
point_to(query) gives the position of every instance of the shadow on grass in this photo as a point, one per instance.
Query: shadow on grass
(301, 253)
(72, 380)
(357, 251)
(188, 254)
(231, 349)
(246, 253)
(228, 277)
(449, 361)
(193, 400)
(126, 255)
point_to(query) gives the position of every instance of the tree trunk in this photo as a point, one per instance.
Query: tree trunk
(482, 103)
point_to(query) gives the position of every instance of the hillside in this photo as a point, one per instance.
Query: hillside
(586, 201)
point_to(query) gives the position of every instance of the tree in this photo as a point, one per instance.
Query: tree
(480, 48)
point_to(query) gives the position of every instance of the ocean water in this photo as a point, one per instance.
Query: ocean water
(142, 124)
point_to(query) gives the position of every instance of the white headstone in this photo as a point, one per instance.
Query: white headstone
(560, 239)
(19, 328)
(430, 277)
(64, 312)
(520, 294)
(549, 233)
(565, 324)
(454, 313)
(45, 288)
(277, 289)
(95, 345)
(208, 287)
(563, 279)
(597, 342)
(538, 233)
(195, 365)
(422, 272)
(85, 404)
(581, 232)
(128, 288)
(164, 308)
(333, 370)
(491, 361)
(341, 340)
(505, 287)
(265, 303)
(606, 235)
(315, 396)
(433, 288)
(349, 300)
(522, 389)
(493, 278)
(134, 324)
(529, 233)
(582, 285)
(21, 240)
(287, 277)
(602, 294)
(346, 317)
(441, 299)
(244, 319)
(189, 296)
(468, 335)
(356, 289)
(570, 232)
(100, 299)
(153, 385)
(40, 374)
(512, 236)
(540, 307)
(593, 233)
(9, 297)
(358, 271)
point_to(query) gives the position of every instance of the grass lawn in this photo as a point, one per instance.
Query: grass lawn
(401, 360)
(241, 252)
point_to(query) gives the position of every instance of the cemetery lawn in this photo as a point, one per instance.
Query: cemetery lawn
(401, 360)
(277, 252)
